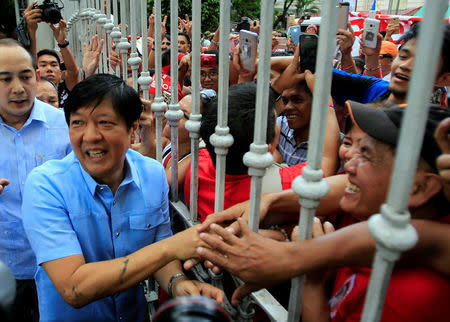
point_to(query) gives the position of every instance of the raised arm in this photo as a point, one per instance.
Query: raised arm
(59, 33)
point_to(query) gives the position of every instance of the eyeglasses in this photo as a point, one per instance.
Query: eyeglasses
(211, 75)
(166, 43)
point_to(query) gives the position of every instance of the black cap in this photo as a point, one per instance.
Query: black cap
(383, 124)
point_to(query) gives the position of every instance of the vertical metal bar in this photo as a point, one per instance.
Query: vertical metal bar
(389, 11)
(144, 80)
(108, 29)
(124, 45)
(222, 139)
(193, 124)
(103, 20)
(134, 59)
(17, 12)
(174, 114)
(311, 186)
(115, 33)
(158, 105)
(391, 229)
(258, 158)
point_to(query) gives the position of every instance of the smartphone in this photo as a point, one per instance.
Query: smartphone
(371, 29)
(294, 32)
(248, 42)
(308, 52)
(396, 22)
(342, 18)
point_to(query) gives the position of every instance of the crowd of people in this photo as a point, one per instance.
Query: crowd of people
(84, 205)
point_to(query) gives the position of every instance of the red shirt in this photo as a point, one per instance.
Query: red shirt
(237, 187)
(414, 294)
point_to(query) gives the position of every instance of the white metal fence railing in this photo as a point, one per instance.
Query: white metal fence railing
(88, 18)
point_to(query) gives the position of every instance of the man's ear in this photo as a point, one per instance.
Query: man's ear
(426, 186)
(133, 130)
(443, 80)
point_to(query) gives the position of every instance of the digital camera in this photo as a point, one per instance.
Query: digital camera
(50, 11)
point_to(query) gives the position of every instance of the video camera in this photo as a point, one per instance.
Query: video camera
(50, 11)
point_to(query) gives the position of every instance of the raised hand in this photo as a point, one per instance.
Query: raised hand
(32, 17)
(91, 55)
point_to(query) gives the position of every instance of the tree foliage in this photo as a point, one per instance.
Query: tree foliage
(306, 7)
(245, 8)
(210, 12)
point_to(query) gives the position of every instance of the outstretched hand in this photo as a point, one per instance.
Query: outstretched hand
(257, 260)
(91, 56)
(32, 17)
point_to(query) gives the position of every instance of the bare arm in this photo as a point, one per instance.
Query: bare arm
(346, 40)
(81, 283)
(71, 66)
(32, 17)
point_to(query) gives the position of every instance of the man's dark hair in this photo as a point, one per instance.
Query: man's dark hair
(185, 36)
(241, 119)
(49, 52)
(10, 42)
(413, 33)
(98, 87)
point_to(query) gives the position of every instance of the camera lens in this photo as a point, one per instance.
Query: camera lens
(52, 14)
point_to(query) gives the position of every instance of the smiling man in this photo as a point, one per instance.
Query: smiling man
(365, 89)
(98, 220)
(31, 132)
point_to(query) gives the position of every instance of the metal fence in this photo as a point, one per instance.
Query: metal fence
(391, 228)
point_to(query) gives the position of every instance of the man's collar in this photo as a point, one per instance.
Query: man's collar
(131, 175)
(37, 113)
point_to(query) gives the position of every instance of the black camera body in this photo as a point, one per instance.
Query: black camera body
(244, 24)
(50, 11)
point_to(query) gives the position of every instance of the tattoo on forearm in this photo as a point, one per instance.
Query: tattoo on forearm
(124, 270)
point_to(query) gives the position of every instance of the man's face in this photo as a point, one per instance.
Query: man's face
(17, 84)
(369, 175)
(297, 107)
(100, 139)
(183, 44)
(47, 93)
(165, 44)
(401, 69)
(49, 67)
(209, 78)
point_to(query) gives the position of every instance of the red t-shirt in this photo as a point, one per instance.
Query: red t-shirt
(237, 187)
(415, 294)
(290, 173)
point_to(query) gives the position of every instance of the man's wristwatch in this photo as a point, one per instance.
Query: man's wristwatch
(169, 287)
(64, 45)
